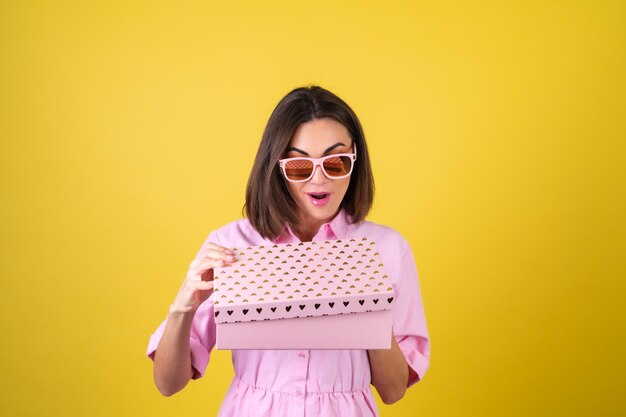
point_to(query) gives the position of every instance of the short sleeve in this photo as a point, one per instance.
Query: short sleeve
(203, 329)
(409, 323)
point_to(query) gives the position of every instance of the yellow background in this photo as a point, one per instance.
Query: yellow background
(497, 132)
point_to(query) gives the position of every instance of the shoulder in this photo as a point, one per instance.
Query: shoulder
(395, 252)
(388, 239)
(236, 233)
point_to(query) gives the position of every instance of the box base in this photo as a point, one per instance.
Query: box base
(370, 330)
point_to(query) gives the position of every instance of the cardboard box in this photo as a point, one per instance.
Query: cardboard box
(309, 295)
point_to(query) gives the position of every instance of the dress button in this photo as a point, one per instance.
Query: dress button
(302, 355)
(298, 392)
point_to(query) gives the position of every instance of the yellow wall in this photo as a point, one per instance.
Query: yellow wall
(497, 134)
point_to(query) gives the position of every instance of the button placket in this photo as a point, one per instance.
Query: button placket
(301, 368)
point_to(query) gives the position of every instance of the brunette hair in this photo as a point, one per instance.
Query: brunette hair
(269, 205)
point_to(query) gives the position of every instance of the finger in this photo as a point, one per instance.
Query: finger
(219, 248)
(212, 254)
(201, 285)
(217, 254)
(205, 265)
(209, 260)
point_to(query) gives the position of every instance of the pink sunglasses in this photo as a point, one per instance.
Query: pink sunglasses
(335, 167)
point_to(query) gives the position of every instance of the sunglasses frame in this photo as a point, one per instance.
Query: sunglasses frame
(318, 162)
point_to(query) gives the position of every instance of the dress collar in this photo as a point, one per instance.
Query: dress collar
(337, 228)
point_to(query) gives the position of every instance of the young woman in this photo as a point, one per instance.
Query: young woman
(311, 181)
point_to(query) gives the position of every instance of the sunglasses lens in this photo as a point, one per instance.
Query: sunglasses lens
(334, 167)
(298, 169)
(338, 166)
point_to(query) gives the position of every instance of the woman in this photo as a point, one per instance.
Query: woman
(311, 181)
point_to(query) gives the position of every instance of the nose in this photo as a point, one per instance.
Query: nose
(318, 176)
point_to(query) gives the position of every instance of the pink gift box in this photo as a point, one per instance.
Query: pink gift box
(309, 295)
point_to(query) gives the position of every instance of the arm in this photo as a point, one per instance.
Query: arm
(390, 372)
(172, 359)
(409, 333)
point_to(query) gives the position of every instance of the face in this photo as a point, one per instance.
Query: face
(315, 139)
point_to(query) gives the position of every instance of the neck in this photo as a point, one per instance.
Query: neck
(310, 226)
(308, 230)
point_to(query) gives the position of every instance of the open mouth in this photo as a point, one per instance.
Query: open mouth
(319, 199)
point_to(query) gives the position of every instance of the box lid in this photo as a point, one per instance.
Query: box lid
(305, 279)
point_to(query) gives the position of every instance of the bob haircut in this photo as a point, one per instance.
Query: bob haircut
(269, 205)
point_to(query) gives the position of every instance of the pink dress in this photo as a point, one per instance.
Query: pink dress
(294, 383)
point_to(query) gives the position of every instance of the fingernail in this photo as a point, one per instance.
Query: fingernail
(230, 257)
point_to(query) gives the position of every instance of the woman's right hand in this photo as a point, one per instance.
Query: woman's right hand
(198, 283)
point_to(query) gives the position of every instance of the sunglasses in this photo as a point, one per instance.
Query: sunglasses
(301, 169)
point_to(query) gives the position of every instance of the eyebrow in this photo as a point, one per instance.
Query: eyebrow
(325, 152)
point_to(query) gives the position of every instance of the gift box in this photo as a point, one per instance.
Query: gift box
(310, 295)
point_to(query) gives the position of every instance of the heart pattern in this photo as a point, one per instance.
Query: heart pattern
(303, 279)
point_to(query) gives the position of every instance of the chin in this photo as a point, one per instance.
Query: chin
(321, 214)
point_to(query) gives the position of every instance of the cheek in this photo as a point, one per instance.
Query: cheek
(294, 189)
(343, 187)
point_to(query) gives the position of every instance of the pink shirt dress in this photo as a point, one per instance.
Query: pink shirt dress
(299, 383)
